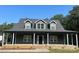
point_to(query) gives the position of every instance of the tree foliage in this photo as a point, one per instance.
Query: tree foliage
(5, 26)
(71, 21)
(58, 17)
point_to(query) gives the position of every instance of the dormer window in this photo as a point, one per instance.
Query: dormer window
(38, 26)
(28, 25)
(41, 24)
(53, 25)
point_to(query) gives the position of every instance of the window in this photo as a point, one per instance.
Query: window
(27, 25)
(53, 26)
(27, 38)
(38, 26)
(53, 39)
(42, 26)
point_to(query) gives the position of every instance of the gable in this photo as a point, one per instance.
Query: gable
(40, 21)
(53, 21)
(27, 21)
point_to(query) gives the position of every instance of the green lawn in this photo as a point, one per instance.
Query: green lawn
(64, 50)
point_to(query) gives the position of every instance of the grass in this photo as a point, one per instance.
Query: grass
(63, 50)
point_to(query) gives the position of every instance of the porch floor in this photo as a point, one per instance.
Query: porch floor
(37, 46)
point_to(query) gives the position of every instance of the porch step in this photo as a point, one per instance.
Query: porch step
(41, 46)
(24, 46)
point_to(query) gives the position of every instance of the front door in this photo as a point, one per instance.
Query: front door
(40, 39)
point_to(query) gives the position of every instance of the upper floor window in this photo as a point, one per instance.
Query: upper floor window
(40, 26)
(27, 25)
(53, 25)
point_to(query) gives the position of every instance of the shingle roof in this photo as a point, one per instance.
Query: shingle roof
(20, 27)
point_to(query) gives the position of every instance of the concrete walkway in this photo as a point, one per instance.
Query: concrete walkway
(25, 51)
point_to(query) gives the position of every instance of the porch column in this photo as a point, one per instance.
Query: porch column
(67, 39)
(77, 40)
(34, 38)
(47, 38)
(72, 38)
(6, 38)
(13, 39)
(37, 39)
(3, 39)
(43, 39)
(64, 39)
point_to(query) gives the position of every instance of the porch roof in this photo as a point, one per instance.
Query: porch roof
(40, 30)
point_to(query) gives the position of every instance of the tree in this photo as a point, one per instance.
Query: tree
(72, 20)
(57, 17)
(5, 26)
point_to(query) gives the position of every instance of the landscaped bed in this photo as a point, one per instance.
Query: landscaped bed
(64, 50)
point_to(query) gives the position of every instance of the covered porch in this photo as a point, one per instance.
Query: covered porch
(40, 38)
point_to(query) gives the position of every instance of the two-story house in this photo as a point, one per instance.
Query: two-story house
(39, 32)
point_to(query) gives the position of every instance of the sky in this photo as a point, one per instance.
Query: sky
(13, 13)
